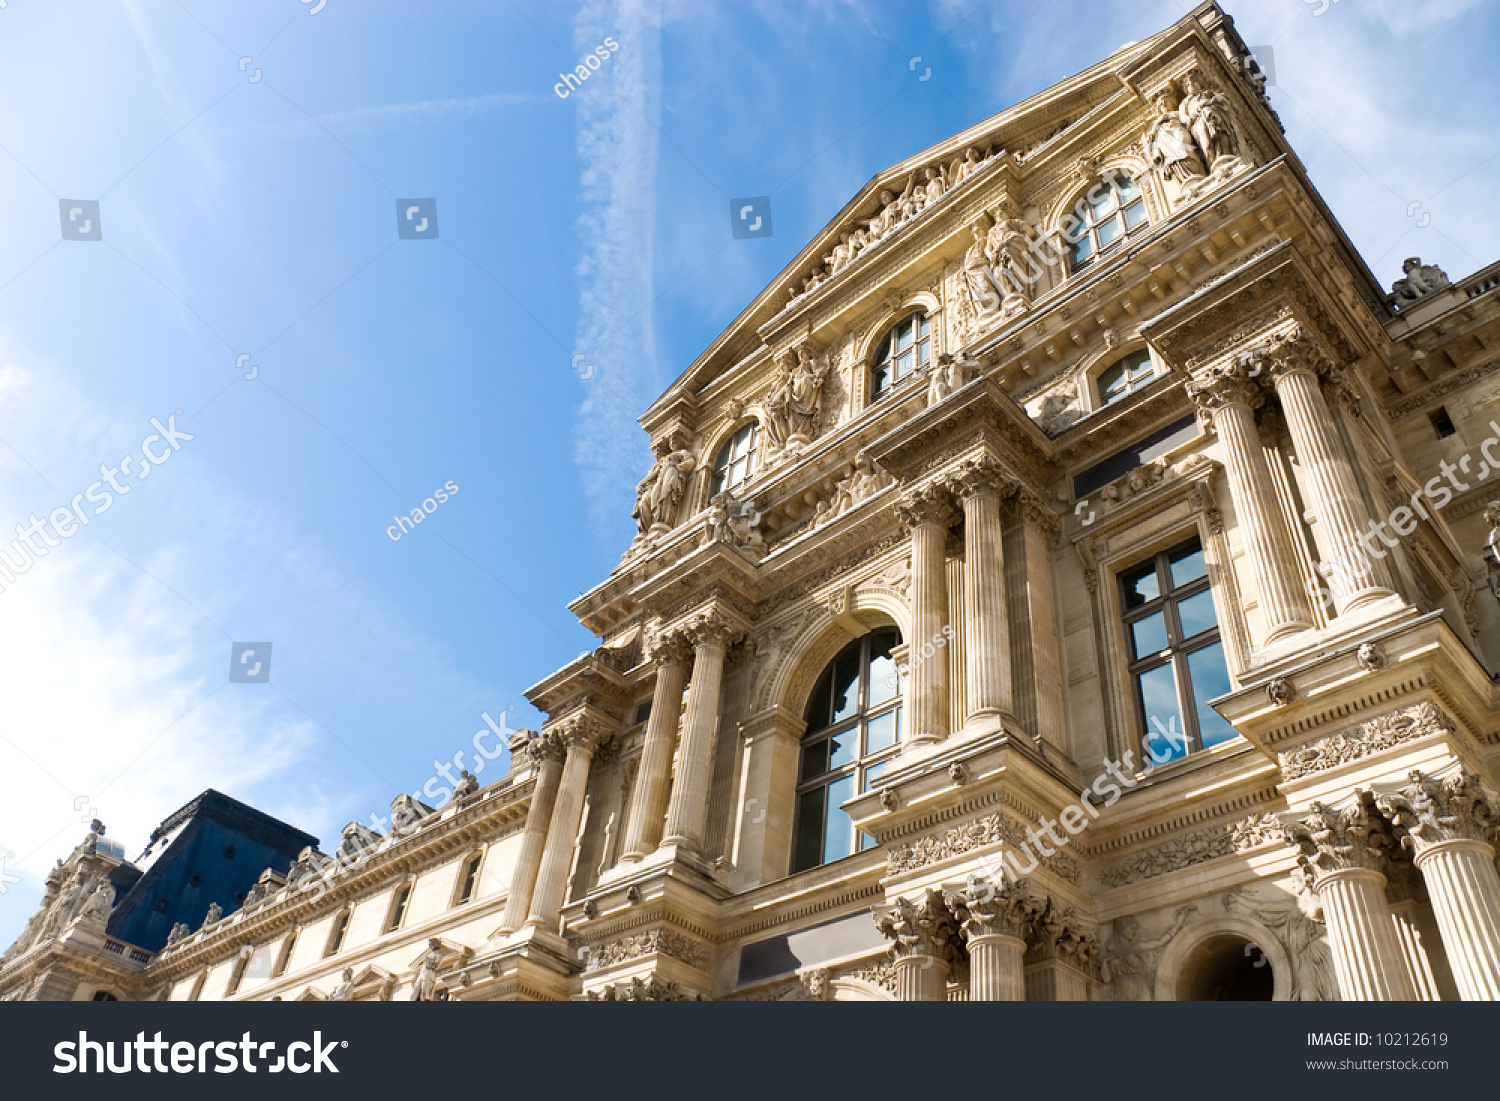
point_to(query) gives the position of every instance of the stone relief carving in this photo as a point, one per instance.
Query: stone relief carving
(654, 942)
(1169, 144)
(951, 373)
(1302, 933)
(96, 910)
(1128, 965)
(215, 914)
(425, 987)
(1206, 113)
(923, 189)
(1059, 411)
(996, 278)
(1195, 847)
(734, 523)
(1371, 736)
(920, 928)
(1058, 934)
(989, 830)
(344, 991)
(1418, 280)
(650, 989)
(863, 479)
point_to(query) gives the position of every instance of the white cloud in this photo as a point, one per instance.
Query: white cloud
(365, 118)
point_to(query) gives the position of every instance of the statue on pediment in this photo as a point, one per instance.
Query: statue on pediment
(96, 910)
(794, 410)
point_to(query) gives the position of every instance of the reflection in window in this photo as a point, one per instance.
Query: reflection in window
(1126, 377)
(907, 348)
(853, 731)
(1110, 211)
(1176, 658)
(736, 462)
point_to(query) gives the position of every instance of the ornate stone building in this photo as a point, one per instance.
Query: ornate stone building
(1072, 578)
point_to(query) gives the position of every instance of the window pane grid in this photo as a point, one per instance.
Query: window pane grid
(1177, 659)
(854, 717)
(905, 350)
(1109, 220)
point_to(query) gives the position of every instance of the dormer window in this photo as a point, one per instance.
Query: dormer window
(906, 349)
(735, 464)
(1112, 208)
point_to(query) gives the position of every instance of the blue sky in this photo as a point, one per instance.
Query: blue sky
(258, 217)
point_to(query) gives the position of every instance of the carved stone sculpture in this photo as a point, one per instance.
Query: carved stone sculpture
(794, 411)
(1169, 142)
(734, 523)
(1417, 282)
(1205, 111)
(467, 785)
(951, 373)
(1129, 963)
(215, 914)
(96, 910)
(425, 988)
(660, 492)
(344, 991)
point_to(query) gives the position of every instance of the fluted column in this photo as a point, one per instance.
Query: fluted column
(995, 924)
(990, 691)
(923, 934)
(1345, 851)
(1295, 365)
(1446, 823)
(927, 512)
(582, 734)
(687, 816)
(546, 753)
(1230, 396)
(648, 800)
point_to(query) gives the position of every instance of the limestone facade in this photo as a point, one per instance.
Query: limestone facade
(1144, 369)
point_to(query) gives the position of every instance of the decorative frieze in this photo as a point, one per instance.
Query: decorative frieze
(1370, 737)
(1206, 843)
(661, 942)
(989, 830)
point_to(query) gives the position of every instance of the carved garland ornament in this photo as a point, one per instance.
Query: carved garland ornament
(1369, 737)
(1207, 843)
(655, 942)
(972, 835)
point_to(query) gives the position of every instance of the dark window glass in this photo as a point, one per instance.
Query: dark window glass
(340, 927)
(853, 730)
(471, 878)
(286, 956)
(1177, 661)
(906, 349)
(1126, 376)
(1119, 208)
(398, 911)
(736, 462)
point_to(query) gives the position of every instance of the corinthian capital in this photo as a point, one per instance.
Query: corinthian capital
(929, 504)
(582, 731)
(924, 928)
(668, 648)
(546, 747)
(1340, 840)
(1225, 385)
(1429, 811)
(981, 910)
(1287, 354)
(710, 626)
(978, 476)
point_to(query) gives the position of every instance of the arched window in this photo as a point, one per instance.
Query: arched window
(1126, 376)
(1112, 208)
(104, 996)
(906, 349)
(853, 731)
(736, 462)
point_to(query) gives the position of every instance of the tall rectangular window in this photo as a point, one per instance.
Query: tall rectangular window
(1176, 656)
